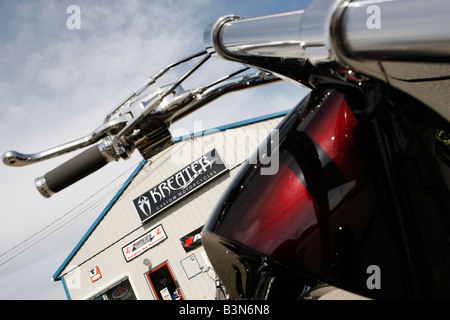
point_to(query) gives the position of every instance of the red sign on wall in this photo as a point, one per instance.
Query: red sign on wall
(95, 274)
(192, 240)
(144, 243)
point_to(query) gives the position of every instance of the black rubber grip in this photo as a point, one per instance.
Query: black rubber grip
(75, 169)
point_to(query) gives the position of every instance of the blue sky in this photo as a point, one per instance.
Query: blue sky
(57, 85)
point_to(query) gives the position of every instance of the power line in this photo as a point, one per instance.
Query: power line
(74, 216)
(50, 233)
(91, 206)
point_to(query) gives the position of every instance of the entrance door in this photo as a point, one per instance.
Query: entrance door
(163, 283)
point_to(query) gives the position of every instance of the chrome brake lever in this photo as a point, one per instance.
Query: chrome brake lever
(150, 82)
(17, 159)
(119, 142)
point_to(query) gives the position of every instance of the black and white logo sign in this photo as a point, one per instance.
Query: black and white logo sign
(192, 240)
(144, 206)
(179, 185)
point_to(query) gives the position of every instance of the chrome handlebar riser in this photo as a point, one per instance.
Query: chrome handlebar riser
(294, 34)
(339, 30)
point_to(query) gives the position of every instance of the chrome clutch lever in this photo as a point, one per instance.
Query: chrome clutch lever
(120, 142)
(17, 159)
(150, 82)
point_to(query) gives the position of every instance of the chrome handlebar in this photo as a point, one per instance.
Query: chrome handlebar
(327, 35)
(141, 121)
(339, 30)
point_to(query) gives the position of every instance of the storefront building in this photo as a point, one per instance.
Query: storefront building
(146, 244)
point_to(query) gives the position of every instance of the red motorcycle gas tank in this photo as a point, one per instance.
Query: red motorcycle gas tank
(313, 217)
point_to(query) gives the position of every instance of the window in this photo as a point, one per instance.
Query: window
(121, 291)
(163, 283)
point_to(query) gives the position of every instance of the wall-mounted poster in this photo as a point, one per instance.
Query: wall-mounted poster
(142, 244)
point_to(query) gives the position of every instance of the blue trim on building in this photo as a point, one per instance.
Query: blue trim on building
(233, 125)
(57, 274)
(66, 289)
(198, 264)
(97, 221)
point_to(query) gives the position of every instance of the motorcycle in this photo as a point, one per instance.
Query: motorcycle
(360, 198)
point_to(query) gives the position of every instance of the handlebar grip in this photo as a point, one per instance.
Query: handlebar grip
(71, 171)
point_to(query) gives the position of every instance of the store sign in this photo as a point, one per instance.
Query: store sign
(120, 292)
(142, 244)
(179, 185)
(192, 240)
(95, 274)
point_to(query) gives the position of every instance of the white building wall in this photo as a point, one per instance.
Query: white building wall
(121, 225)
